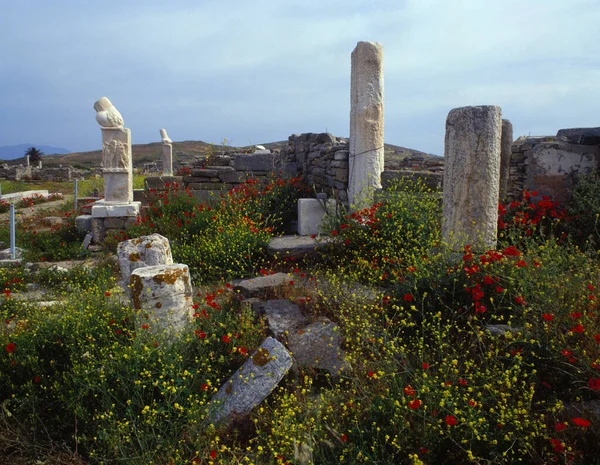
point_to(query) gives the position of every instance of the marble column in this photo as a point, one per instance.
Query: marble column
(472, 177)
(505, 155)
(167, 153)
(366, 157)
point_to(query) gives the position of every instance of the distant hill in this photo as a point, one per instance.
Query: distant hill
(11, 152)
(185, 152)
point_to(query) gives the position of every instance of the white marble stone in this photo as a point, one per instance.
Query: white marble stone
(311, 213)
(366, 157)
(164, 294)
(167, 153)
(143, 251)
(505, 154)
(107, 115)
(103, 209)
(117, 165)
(472, 177)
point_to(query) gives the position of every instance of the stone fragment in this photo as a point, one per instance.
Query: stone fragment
(584, 136)
(295, 246)
(164, 294)
(52, 221)
(143, 251)
(252, 382)
(501, 330)
(311, 213)
(366, 123)
(318, 345)
(261, 285)
(5, 254)
(83, 223)
(103, 209)
(160, 182)
(254, 162)
(86, 241)
(472, 177)
(505, 155)
(282, 315)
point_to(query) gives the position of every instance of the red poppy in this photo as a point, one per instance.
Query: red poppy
(472, 403)
(344, 438)
(213, 454)
(425, 365)
(107, 294)
(463, 382)
(520, 300)
(408, 297)
(450, 420)
(200, 334)
(560, 426)
(557, 445)
(578, 329)
(371, 374)
(414, 404)
(11, 347)
(410, 391)
(594, 384)
(37, 379)
(226, 339)
(204, 387)
(548, 317)
(581, 422)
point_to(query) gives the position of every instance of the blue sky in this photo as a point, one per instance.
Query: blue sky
(258, 71)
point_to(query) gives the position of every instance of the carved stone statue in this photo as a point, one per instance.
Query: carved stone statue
(165, 138)
(107, 115)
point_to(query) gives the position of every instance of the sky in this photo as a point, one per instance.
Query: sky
(257, 71)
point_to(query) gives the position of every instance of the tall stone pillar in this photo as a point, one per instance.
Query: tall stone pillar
(366, 157)
(167, 153)
(117, 210)
(505, 154)
(472, 177)
(27, 160)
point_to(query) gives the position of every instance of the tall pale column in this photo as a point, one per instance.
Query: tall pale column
(472, 177)
(366, 123)
(167, 153)
(505, 155)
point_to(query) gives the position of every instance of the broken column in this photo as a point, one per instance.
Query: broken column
(143, 251)
(117, 210)
(366, 123)
(163, 296)
(505, 154)
(167, 153)
(472, 177)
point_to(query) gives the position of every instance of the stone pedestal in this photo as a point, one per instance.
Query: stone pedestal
(472, 177)
(143, 251)
(116, 165)
(505, 154)
(366, 123)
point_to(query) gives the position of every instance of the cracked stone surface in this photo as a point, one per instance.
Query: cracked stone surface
(252, 382)
(318, 345)
(282, 315)
(295, 246)
(143, 251)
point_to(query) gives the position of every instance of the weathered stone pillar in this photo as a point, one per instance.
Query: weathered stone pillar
(27, 160)
(505, 154)
(366, 123)
(117, 171)
(472, 176)
(40, 164)
(167, 154)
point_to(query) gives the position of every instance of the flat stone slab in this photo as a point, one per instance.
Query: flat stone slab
(16, 196)
(282, 315)
(106, 210)
(295, 246)
(311, 213)
(261, 285)
(5, 254)
(252, 382)
(318, 345)
(83, 223)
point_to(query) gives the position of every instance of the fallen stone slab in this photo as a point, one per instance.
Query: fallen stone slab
(296, 246)
(261, 285)
(143, 251)
(53, 221)
(318, 345)
(5, 254)
(501, 330)
(83, 223)
(16, 196)
(252, 382)
(282, 315)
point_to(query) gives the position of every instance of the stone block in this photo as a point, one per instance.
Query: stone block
(231, 176)
(318, 345)
(252, 383)
(143, 251)
(164, 294)
(160, 182)
(341, 174)
(103, 209)
(254, 162)
(261, 285)
(98, 229)
(282, 315)
(52, 221)
(311, 213)
(295, 246)
(210, 186)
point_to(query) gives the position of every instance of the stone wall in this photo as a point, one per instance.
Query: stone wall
(549, 165)
(26, 173)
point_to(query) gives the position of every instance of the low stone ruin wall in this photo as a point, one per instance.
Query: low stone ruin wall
(549, 165)
(31, 173)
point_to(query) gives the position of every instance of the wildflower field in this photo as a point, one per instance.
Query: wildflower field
(474, 357)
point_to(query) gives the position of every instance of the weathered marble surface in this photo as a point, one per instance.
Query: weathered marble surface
(505, 154)
(143, 251)
(252, 382)
(167, 153)
(107, 115)
(472, 176)
(366, 123)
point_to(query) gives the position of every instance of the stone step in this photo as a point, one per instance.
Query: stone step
(282, 315)
(261, 285)
(296, 246)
